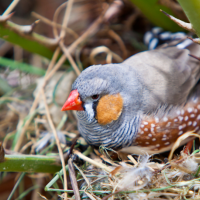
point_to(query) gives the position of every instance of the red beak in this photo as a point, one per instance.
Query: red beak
(73, 102)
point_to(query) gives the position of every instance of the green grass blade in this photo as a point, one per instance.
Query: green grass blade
(22, 195)
(4, 86)
(16, 185)
(21, 66)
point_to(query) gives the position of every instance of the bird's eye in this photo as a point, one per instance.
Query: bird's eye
(95, 97)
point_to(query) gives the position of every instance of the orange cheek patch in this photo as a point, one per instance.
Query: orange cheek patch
(109, 108)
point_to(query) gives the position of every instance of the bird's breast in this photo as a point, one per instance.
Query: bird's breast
(116, 135)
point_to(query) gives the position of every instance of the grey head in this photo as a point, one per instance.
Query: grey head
(111, 79)
(100, 80)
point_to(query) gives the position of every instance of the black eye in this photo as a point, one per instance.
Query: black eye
(95, 97)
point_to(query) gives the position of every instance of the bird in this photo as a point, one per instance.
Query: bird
(141, 105)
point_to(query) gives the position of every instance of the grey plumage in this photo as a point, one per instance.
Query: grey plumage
(146, 81)
(167, 76)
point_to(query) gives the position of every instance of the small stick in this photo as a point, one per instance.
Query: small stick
(67, 154)
(194, 57)
(57, 141)
(71, 60)
(73, 179)
(54, 24)
(10, 7)
(97, 164)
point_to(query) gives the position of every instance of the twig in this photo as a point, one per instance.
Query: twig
(83, 175)
(198, 58)
(66, 18)
(73, 179)
(97, 164)
(55, 17)
(120, 42)
(10, 7)
(68, 153)
(71, 60)
(106, 50)
(89, 32)
(54, 58)
(133, 160)
(54, 24)
(26, 146)
(57, 141)
(62, 35)
(56, 67)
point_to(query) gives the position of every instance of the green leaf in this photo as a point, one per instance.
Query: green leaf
(192, 11)
(21, 66)
(151, 9)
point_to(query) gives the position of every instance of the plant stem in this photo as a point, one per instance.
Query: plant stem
(27, 163)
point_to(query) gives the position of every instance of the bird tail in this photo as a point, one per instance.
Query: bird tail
(158, 38)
